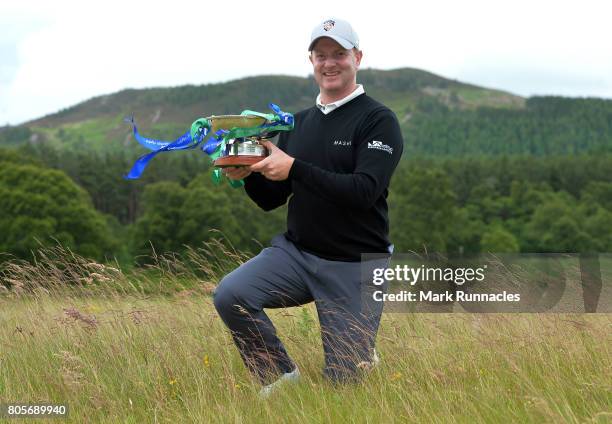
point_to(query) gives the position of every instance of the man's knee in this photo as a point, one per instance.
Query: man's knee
(224, 297)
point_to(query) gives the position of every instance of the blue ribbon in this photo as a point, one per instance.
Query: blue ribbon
(285, 118)
(152, 144)
(213, 142)
(184, 142)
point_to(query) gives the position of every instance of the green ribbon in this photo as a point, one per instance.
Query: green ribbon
(237, 132)
(197, 127)
(216, 178)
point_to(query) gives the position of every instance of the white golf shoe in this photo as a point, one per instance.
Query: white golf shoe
(288, 377)
(370, 365)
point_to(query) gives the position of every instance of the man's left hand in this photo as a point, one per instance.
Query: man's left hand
(276, 166)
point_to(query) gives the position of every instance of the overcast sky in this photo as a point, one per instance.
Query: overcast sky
(54, 54)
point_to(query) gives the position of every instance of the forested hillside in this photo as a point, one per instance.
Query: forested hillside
(545, 126)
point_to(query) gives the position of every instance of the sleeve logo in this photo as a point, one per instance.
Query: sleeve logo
(378, 145)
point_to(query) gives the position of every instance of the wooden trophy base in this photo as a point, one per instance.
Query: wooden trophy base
(237, 160)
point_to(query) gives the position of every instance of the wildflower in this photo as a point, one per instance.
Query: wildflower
(396, 376)
(172, 382)
(92, 309)
(205, 360)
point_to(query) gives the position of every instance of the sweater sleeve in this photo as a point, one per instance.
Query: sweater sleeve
(268, 194)
(379, 148)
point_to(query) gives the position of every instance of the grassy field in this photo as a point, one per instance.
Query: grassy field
(132, 356)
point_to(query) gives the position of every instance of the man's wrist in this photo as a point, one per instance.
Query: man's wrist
(291, 162)
(298, 169)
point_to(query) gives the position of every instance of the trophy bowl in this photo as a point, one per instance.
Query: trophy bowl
(235, 121)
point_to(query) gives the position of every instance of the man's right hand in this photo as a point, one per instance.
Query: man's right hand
(237, 172)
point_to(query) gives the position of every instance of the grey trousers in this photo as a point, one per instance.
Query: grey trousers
(284, 276)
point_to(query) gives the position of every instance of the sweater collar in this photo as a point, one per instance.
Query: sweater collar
(325, 109)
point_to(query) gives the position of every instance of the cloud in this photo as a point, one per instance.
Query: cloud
(55, 54)
(527, 81)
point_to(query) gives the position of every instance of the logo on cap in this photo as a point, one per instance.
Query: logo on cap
(327, 25)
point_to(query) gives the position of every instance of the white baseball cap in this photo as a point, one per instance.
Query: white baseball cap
(338, 30)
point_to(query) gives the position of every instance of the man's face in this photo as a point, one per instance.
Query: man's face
(335, 68)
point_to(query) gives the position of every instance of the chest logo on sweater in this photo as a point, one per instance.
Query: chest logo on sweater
(342, 142)
(378, 145)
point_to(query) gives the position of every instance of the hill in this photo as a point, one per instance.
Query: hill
(97, 124)
(438, 116)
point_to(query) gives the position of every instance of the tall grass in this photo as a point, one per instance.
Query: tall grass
(57, 271)
(147, 346)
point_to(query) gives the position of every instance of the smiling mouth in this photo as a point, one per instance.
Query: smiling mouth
(331, 74)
